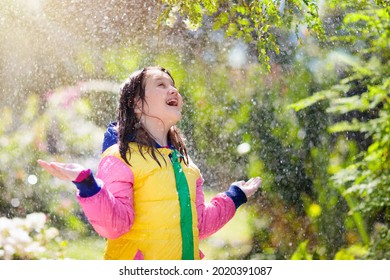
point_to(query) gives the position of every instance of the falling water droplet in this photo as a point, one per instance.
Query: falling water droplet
(15, 202)
(243, 148)
(32, 179)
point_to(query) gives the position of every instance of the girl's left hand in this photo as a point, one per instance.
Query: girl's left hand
(249, 187)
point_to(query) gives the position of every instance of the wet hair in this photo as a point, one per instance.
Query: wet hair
(129, 128)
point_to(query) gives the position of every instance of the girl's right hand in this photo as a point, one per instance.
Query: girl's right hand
(64, 171)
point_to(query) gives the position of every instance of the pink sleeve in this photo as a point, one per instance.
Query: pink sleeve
(111, 211)
(214, 215)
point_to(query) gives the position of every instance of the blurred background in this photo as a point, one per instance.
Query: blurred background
(296, 92)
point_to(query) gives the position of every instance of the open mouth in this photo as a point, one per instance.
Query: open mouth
(172, 102)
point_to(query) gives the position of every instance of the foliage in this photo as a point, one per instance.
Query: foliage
(255, 22)
(301, 252)
(362, 105)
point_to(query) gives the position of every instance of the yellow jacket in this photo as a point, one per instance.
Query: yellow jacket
(137, 208)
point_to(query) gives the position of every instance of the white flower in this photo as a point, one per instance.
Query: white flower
(35, 221)
(18, 235)
(25, 238)
(51, 233)
(17, 223)
(34, 247)
(9, 251)
(4, 224)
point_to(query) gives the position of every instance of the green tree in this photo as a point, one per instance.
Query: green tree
(358, 104)
(255, 22)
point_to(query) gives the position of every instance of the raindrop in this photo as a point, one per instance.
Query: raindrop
(15, 202)
(32, 179)
(301, 134)
(238, 55)
(217, 36)
(243, 148)
(208, 56)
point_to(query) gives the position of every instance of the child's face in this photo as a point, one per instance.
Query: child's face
(163, 101)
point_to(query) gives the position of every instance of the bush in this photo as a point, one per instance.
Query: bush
(29, 238)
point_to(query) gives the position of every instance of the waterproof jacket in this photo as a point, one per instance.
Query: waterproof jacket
(136, 207)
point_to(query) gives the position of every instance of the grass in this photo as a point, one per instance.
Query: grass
(91, 248)
(232, 240)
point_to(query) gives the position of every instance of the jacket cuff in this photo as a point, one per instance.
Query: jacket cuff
(83, 175)
(88, 187)
(237, 195)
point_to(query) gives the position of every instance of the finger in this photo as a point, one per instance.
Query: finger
(42, 163)
(59, 164)
(64, 172)
(239, 183)
(72, 167)
(47, 166)
(57, 173)
(256, 181)
(259, 180)
(249, 181)
(50, 167)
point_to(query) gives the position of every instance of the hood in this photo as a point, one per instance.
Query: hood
(110, 136)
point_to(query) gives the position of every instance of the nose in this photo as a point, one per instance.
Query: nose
(173, 90)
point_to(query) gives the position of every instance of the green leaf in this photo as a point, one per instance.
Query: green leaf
(347, 104)
(221, 20)
(355, 125)
(301, 252)
(242, 10)
(318, 96)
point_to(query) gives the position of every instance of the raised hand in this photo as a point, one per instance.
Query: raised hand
(249, 187)
(64, 171)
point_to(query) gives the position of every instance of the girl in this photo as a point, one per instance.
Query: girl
(147, 196)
